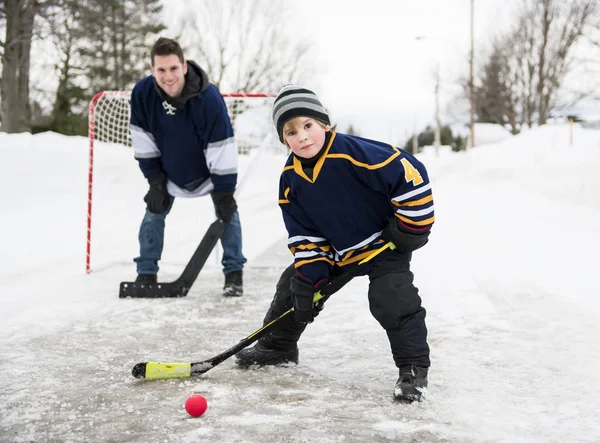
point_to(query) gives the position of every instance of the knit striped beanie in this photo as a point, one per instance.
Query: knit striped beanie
(294, 101)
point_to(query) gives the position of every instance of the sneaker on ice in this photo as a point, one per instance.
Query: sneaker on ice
(412, 384)
(259, 355)
(233, 284)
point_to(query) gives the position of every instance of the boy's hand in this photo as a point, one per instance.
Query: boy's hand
(303, 292)
(403, 240)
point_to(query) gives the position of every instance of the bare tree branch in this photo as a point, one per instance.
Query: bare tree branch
(245, 46)
(537, 56)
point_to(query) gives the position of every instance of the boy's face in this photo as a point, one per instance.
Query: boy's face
(169, 73)
(305, 136)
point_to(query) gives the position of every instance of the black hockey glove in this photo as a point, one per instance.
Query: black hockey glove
(157, 199)
(225, 205)
(303, 292)
(403, 240)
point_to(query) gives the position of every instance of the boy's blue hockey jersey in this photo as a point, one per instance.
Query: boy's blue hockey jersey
(335, 217)
(194, 146)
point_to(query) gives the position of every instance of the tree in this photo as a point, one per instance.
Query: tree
(18, 18)
(66, 118)
(119, 35)
(427, 138)
(562, 27)
(351, 130)
(490, 96)
(100, 46)
(245, 46)
(524, 73)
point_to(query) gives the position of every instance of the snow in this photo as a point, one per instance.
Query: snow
(489, 133)
(509, 279)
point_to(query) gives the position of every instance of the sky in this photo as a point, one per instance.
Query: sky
(376, 75)
(509, 280)
(370, 71)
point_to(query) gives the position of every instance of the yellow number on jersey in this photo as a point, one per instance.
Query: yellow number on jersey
(410, 173)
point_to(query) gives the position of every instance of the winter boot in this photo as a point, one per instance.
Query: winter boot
(233, 284)
(412, 384)
(146, 278)
(260, 355)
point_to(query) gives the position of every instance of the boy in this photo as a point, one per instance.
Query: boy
(342, 197)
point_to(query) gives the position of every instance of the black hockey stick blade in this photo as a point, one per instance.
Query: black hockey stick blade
(181, 286)
(160, 370)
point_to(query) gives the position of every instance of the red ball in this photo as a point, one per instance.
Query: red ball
(196, 405)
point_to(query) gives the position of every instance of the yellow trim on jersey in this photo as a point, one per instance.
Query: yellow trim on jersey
(285, 199)
(354, 251)
(354, 259)
(429, 221)
(365, 165)
(415, 202)
(305, 262)
(324, 248)
(298, 170)
(298, 165)
(351, 253)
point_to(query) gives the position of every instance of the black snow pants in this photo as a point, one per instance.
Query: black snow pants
(393, 300)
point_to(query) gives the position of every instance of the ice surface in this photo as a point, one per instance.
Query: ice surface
(509, 278)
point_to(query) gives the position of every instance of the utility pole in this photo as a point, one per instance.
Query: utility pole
(471, 89)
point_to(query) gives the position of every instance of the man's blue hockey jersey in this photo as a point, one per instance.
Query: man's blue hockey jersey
(335, 217)
(193, 144)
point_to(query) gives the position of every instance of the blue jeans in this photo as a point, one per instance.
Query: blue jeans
(152, 235)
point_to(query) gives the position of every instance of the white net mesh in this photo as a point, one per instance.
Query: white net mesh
(252, 124)
(109, 117)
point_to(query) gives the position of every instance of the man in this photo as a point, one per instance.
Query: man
(183, 140)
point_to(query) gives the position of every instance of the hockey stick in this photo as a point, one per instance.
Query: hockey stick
(158, 370)
(181, 286)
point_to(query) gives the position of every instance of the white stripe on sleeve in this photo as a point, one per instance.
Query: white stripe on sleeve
(143, 143)
(410, 194)
(298, 238)
(417, 213)
(222, 157)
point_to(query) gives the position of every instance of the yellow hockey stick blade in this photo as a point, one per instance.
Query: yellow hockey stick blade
(155, 370)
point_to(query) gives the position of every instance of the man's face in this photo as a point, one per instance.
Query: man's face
(169, 73)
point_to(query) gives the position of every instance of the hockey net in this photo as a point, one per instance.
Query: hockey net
(109, 113)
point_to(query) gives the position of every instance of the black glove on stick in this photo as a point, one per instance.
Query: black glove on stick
(303, 293)
(225, 205)
(403, 240)
(157, 199)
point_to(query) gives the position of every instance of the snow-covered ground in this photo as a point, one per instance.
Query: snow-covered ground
(510, 281)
